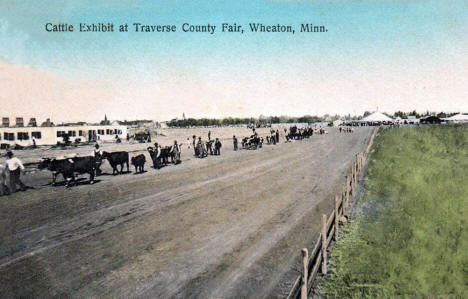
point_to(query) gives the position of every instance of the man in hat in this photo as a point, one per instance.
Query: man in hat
(157, 155)
(97, 154)
(176, 153)
(217, 147)
(234, 140)
(15, 166)
(194, 142)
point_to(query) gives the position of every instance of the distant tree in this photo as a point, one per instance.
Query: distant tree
(275, 120)
(401, 114)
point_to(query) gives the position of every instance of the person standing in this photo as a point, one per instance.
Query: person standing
(175, 153)
(194, 142)
(209, 135)
(234, 140)
(217, 147)
(15, 166)
(157, 156)
(277, 136)
(97, 154)
(4, 179)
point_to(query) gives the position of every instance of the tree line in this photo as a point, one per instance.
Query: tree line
(228, 121)
(268, 120)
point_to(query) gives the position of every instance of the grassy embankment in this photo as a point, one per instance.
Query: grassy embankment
(411, 239)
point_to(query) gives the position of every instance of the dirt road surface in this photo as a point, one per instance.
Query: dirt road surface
(221, 227)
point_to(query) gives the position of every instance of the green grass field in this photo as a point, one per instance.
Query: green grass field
(411, 239)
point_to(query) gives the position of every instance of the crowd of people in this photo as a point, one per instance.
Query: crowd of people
(11, 170)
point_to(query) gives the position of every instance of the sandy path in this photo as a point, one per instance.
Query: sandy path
(205, 228)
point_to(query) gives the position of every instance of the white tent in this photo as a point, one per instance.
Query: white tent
(376, 117)
(457, 118)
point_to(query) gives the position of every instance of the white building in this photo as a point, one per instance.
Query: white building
(376, 117)
(457, 118)
(24, 136)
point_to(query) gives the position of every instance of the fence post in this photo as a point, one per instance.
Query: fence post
(343, 200)
(346, 199)
(355, 177)
(324, 244)
(358, 158)
(305, 270)
(337, 215)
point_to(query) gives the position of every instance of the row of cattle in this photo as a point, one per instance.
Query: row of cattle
(160, 156)
(70, 167)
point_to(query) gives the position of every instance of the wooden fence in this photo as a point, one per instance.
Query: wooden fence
(317, 258)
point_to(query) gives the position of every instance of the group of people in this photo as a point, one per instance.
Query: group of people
(161, 155)
(273, 138)
(346, 130)
(204, 148)
(10, 171)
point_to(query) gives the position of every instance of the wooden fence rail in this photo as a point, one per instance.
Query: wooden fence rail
(317, 258)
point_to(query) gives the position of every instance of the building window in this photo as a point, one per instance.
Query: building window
(72, 133)
(23, 136)
(100, 132)
(118, 132)
(9, 136)
(60, 133)
(36, 135)
(80, 133)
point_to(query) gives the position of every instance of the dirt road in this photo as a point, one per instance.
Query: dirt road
(228, 226)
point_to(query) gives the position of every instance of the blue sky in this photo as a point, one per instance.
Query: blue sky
(367, 41)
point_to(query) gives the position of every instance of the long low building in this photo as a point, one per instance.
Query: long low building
(27, 136)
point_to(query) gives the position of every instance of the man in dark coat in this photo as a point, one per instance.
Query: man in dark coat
(194, 142)
(234, 140)
(217, 147)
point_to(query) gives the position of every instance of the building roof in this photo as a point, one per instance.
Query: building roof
(458, 117)
(376, 117)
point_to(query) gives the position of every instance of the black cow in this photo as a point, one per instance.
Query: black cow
(68, 168)
(166, 154)
(139, 163)
(252, 143)
(160, 156)
(115, 159)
